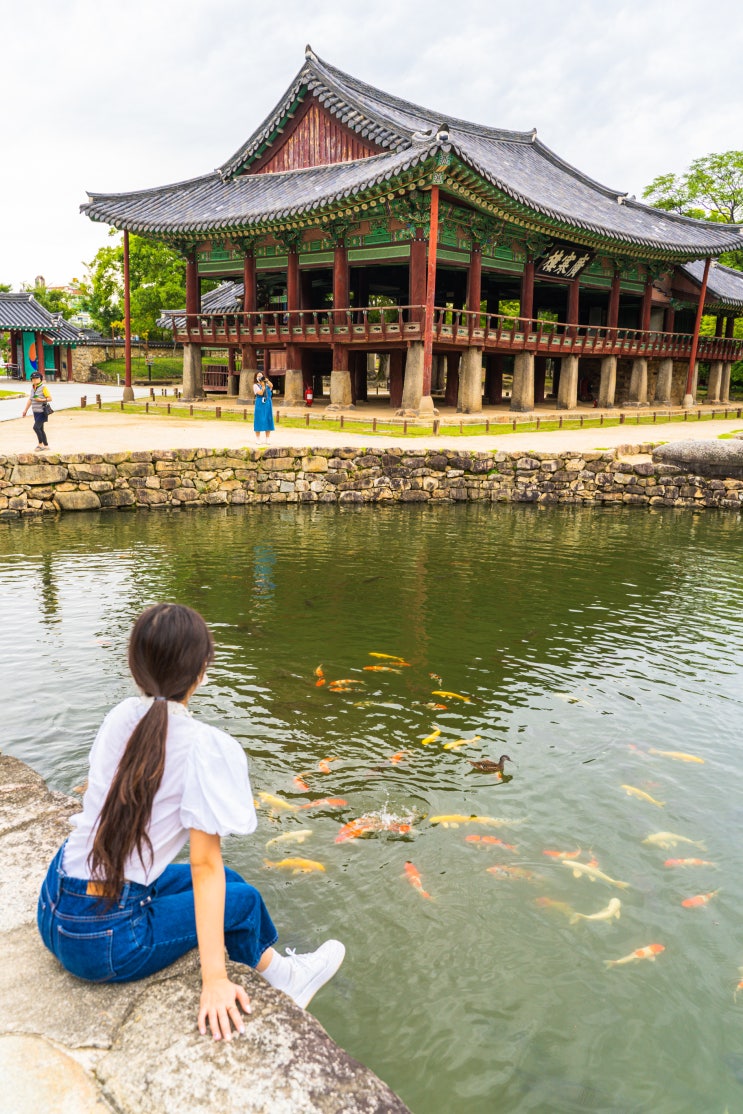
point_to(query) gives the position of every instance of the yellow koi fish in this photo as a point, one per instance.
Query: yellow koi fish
(502, 870)
(296, 866)
(431, 738)
(275, 804)
(649, 952)
(679, 755)
(457, 743)
(381, 668)
(298, 836)
(612, 910)
(593, 873)
(451, 695)
(454, 819)
(667, 840)
(642, 796)
(386, 657)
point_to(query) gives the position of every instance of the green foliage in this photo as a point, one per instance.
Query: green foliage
(5, 288)
(56, 301)
(711, 189)
(157, 278)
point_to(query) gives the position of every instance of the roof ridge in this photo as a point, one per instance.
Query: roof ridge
(212, 174)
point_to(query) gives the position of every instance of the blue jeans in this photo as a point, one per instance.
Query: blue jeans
(147, 928)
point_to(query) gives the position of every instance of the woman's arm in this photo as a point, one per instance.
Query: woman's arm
(219, 996)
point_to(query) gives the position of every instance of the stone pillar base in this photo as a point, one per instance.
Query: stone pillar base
(567, 392)
(193, 376)
(638, 384)
(470, 382)
(293, 388)
(128, 395)
(340, 389)
(725, 383)
(688, 402)
(522, 394)
(412, 391)
(608, 383)
(715, 381)
(663, 382)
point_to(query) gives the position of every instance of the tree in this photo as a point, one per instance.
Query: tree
(711, 189)
(157, 277)
(56, 301)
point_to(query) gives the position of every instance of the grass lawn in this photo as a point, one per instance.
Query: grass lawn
(11, 394)
(163, 367)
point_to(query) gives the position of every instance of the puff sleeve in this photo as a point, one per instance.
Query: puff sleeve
(217, 797)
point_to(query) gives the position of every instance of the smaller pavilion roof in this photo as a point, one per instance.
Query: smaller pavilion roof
(22, 311)
(724, 285)
(225, 298)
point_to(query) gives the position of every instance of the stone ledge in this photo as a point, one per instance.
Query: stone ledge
(80, 1048)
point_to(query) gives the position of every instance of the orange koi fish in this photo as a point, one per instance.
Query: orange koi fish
(435, 677)
(698, 899)
(739, 987)
(489, 839)
(414, 877)
(435, 707)
(326, 802)
(345, 684)
(324, 765)
(367, 825)
(300, 783)
(320, 677)
(688, 862)
(649, 952)
(563, 854)
(381, 668)
(399, 756)
(501, 870)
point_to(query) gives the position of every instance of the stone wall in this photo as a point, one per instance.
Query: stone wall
(127, 1048)
(190, 477)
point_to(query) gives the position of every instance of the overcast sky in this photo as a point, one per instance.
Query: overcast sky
(116, 95)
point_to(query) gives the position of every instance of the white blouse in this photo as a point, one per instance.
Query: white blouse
(205, 785)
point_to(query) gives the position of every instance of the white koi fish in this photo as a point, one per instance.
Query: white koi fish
(612, 910)
(298, 836)
(593, 873)
(666, 840)
(649, 952)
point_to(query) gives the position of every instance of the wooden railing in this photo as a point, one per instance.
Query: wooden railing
(392, 325)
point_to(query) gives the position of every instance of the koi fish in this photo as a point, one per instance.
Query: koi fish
(431, 738)
(297, 836)
(367, 825)
(501, 870)
(275, 804)
(324, 765)
(563, 854)
(555, 906)
(593, 873)
(649, 952)
(414, 877)
(435, 707)
(489, 839)
(300, 783)
(688, 862)
(435, 677)
(698, 900)
(739, 987)
(612, 910)
(666, 840)
(345, 684)
(452, 695)
(326, 802)
(679, 755)
(454, 819)
(386, 657)
(399, 756)
(296, 866)
(632, 792)
(320, 677)
(381, 668)
(457, 743)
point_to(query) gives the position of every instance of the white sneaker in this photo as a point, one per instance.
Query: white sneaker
(307, 973)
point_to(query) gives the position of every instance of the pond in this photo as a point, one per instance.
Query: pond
(601, 649)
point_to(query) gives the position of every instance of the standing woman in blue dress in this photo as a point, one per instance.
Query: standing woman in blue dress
(263, 408)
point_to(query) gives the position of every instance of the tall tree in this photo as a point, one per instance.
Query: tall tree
(56, 301)
(711, 189)
(158, 281)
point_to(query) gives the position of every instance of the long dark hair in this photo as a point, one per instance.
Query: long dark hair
(169, 648)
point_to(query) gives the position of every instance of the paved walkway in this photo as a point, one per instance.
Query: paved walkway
(98, 432)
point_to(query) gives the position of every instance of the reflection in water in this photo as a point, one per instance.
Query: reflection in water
(595, 647)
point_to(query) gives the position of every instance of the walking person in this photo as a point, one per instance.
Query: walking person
(263, 406)
(39, 400)
(114, 907)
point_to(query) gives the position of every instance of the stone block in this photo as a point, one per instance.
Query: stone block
(38, 474)
(315, 464)
(120, 497)
(88, 472)
(77, 500)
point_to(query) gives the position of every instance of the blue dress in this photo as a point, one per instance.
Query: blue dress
(263, 411)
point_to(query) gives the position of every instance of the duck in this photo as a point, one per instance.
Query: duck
(487, 766)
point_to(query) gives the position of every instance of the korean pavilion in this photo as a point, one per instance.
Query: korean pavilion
(352, 223)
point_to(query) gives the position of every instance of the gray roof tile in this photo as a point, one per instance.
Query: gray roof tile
(22, 311)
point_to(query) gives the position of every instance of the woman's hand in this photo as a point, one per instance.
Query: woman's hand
(220, 1004)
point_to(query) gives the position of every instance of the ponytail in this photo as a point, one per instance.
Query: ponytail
(169, 648)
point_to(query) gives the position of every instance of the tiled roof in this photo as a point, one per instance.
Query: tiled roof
(225, 298)
(724, 285)
(515, 163)
(22, 311)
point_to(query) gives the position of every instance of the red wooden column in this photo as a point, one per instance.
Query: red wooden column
(128, 392)
(417, 278)
(689, 397)
(396, 377)
(573, 302)
(669, 319)
(69, 363)
(527, 292)
(474, 279)
(192, 284)
(341, 300)
(494, 379)
(729, 327)
(250, 305)
(612, 316)
(39, 342)
(292, 284)
(250, 287)
(433, 242)
(719, 325)
(451, 395)
(647, 305)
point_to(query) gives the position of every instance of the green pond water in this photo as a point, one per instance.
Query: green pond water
(584, 639)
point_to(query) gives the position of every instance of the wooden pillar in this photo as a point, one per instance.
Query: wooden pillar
(730, 327)
(396, 376)
(573, 302)
(192, 280)
(451, 394)
(540, 376)
(669, 319)
(341, 300)
(474, 279)
(128, 392)
(494, 380)
(433, 243)
(689, 395)
(417, 275)
(647, 305)
(719, 325)
(69, 363)
(39, 342)
(293, 302)
(527, 292)
(250, 285)
(612, 317)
